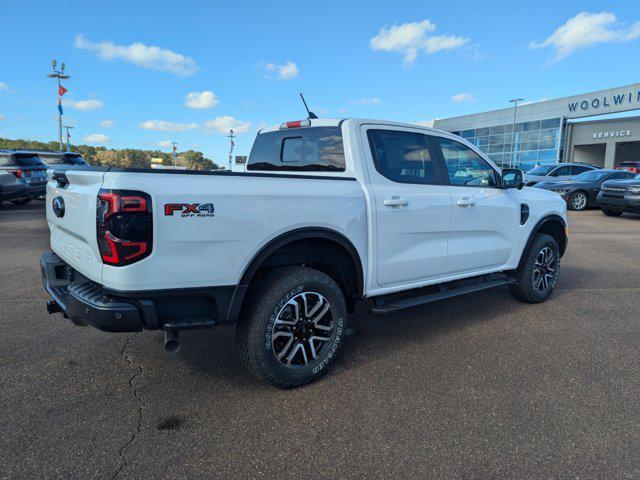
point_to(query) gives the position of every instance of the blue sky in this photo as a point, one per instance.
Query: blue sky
(406, 61)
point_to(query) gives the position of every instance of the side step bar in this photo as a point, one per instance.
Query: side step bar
(413, 298)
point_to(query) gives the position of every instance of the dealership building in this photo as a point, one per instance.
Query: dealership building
(559, 130)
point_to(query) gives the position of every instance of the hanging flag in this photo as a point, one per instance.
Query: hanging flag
(61, 90)
(68, 135)
(233, 144)
(60, 106)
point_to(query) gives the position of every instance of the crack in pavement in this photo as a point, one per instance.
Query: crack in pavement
(141, 405)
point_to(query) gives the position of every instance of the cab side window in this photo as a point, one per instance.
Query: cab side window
(465, 167)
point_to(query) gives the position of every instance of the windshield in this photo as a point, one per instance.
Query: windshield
(591, 176)
(542, 170)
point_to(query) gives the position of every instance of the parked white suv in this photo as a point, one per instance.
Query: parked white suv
(329, 212)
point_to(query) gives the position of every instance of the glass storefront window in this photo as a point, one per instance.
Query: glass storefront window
(482, 141)
(532, 143)
(496, 139)
(530, 126)
(550, 123)
(497, 130)
(467, 133)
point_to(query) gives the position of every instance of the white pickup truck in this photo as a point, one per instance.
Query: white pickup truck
(329, 213)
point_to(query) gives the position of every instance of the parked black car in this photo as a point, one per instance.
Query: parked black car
(23, 177)
(582, 190)
(619, 196)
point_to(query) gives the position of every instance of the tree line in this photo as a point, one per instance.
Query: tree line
(127, 157)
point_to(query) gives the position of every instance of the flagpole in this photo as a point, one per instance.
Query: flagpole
(59, 74)
(173, 153)
(59, 118)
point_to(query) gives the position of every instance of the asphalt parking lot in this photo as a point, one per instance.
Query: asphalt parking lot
(478, 387)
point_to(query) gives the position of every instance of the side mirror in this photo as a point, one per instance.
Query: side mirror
(512, 178)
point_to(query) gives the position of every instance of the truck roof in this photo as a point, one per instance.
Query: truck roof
(335, 122)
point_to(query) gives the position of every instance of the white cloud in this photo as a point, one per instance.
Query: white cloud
(3, 86)
(107, 123)
(206, 99)
(413, 37)
(163, 126)
(226, 123)
(83, 104)
(147, 56)
(2, 117)
(462, 97)
(585, 30)
(367, 101)
(529, 102)
(165, 144)
(96, 138)
(283, 72)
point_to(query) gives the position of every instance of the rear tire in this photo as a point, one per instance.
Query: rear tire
(22, 201)
(578, 201)
(292, 326)
(612, 213)
(538, 271)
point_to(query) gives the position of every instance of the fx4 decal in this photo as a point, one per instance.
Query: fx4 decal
(189, 209)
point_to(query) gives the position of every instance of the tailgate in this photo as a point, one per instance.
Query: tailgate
(73, 232)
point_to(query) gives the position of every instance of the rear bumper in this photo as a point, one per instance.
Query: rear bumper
(23, 191)
(87, 303)
(619, 203)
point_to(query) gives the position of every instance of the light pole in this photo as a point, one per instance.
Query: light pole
(231, 136)
(59, 74)
(68, 135)
(513, 129)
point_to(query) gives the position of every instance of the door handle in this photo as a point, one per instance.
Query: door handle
(466, 202)
(396, 201)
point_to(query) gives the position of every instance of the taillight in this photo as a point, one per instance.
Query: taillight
(18, 173)
(124, 225)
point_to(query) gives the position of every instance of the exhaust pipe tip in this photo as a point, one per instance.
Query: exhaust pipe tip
(171, 342)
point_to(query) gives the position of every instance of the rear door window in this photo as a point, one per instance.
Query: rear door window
(578, 169)
(403, 157)
(312, 149)
(561, 171)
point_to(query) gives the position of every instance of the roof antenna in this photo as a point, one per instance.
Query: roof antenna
(312, 115)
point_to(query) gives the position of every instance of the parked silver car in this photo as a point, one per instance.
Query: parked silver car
(556, 172)
(23, 177)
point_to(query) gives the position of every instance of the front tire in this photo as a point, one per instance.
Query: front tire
(538, 273)
(578, 201)
(612, 213)
(292, 327)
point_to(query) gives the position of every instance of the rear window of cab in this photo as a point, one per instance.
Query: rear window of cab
(312, 149)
